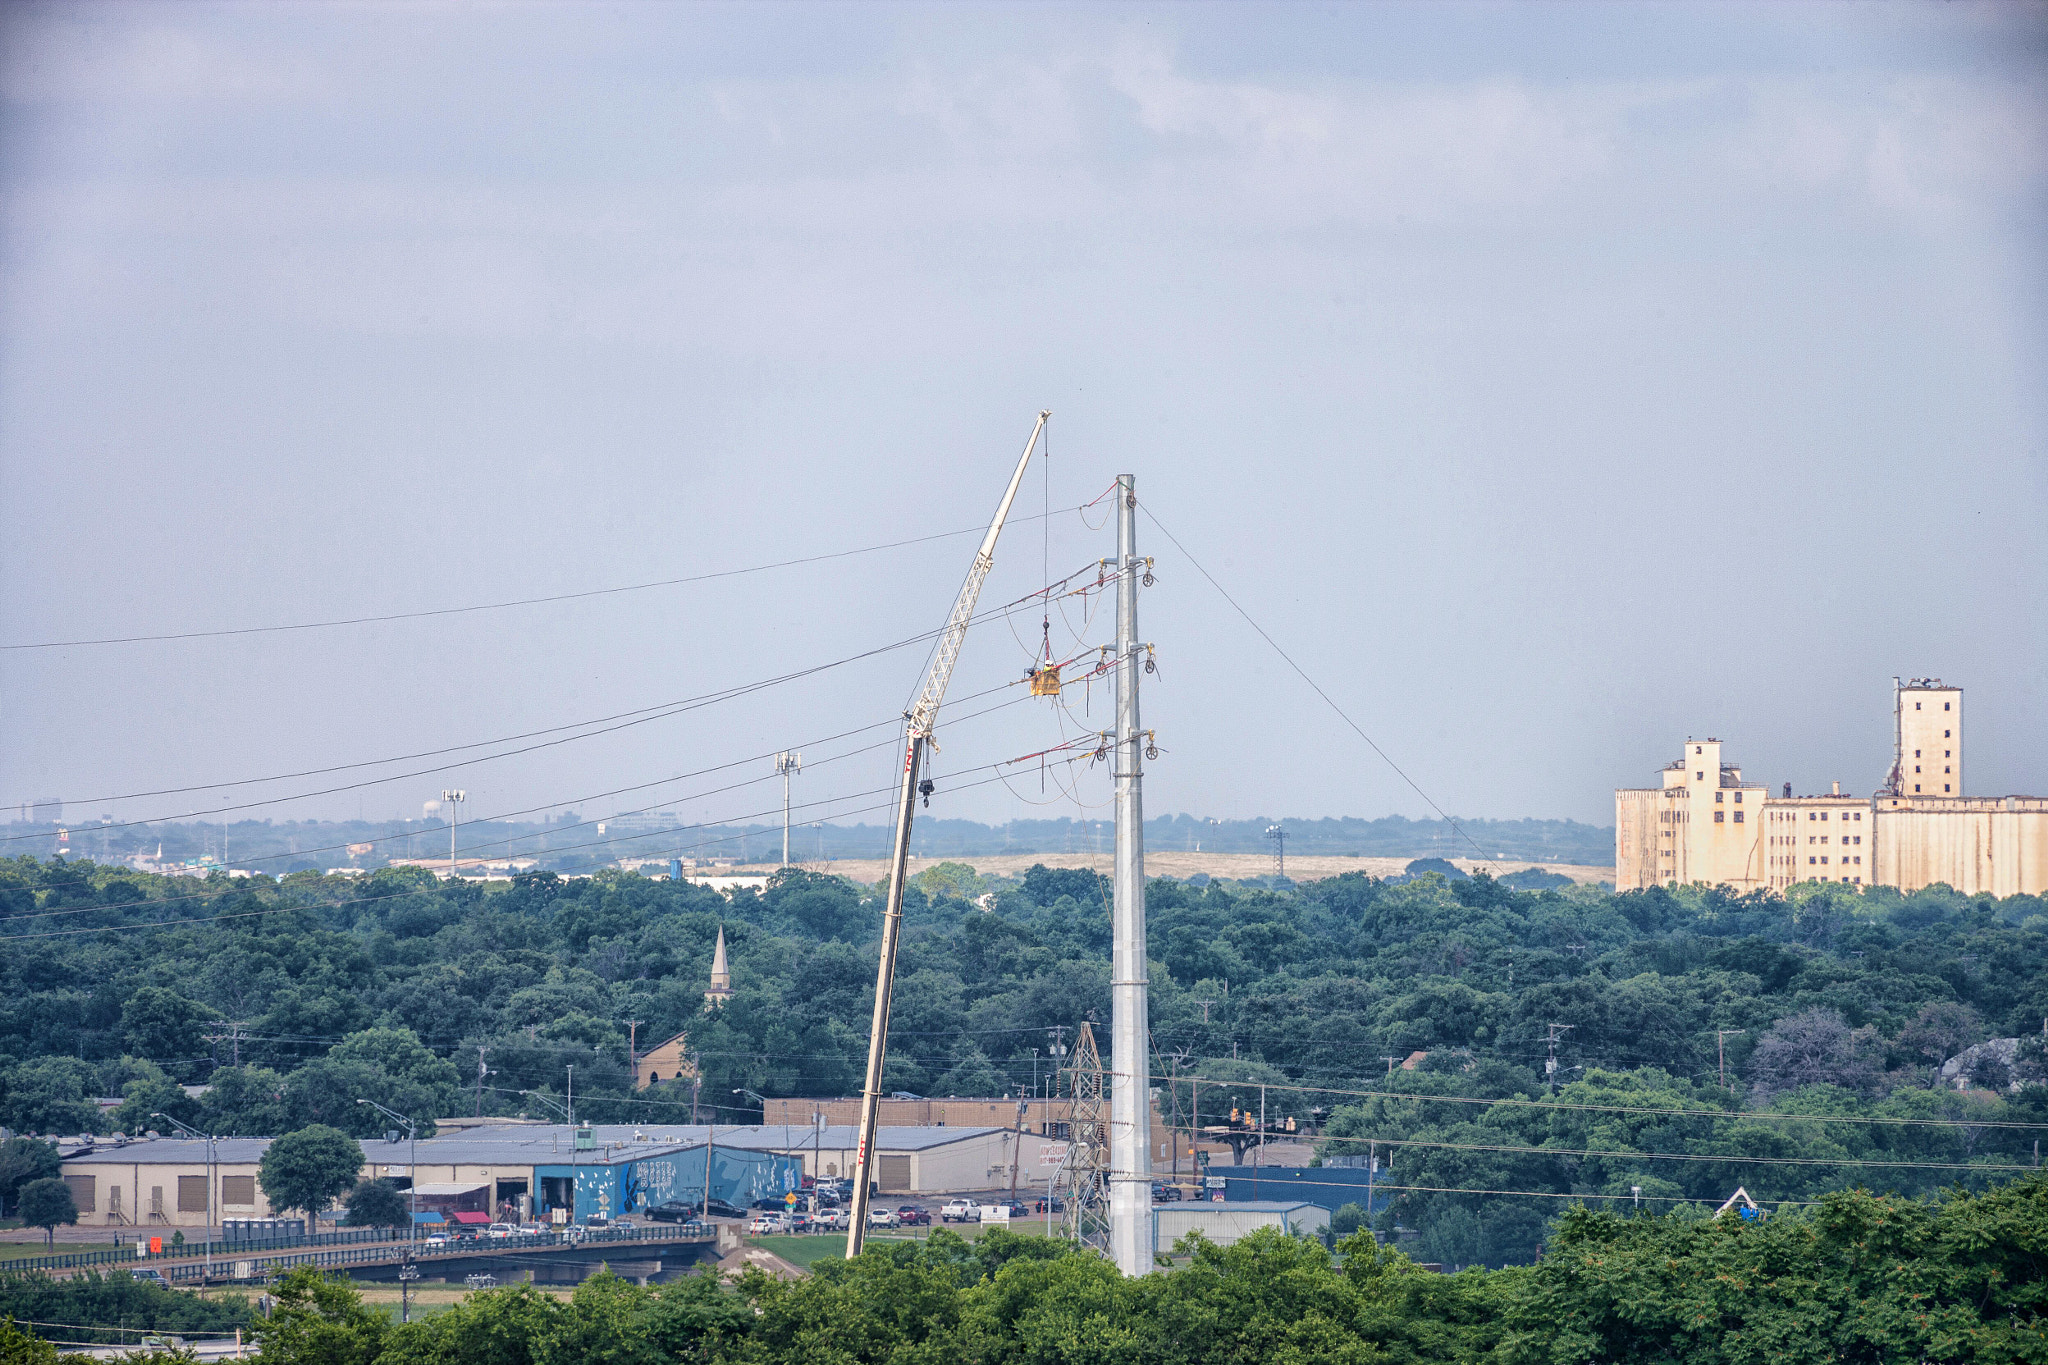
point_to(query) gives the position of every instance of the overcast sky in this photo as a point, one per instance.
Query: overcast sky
(1553, 382)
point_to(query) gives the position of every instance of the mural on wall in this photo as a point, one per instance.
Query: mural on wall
(610, 1190)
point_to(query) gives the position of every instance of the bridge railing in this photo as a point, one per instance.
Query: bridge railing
(389, 1253)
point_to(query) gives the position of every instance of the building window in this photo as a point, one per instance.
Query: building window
(1944, 706)
(1859, 860)
(1945, 753)
(1859, 881)
(1859, 838)
(1823, 859)
(1823, 815)
(1916, 706)
(1738, 817)
(1916, 753)
(1699, 777)
(1944, 786)
(1944, 767)
(1718, 798)
(1859, 815)
(1916, 767)
(1944, 734)
(1720, 816)
(1811, 815)
(1810, 862)
(1916, 785)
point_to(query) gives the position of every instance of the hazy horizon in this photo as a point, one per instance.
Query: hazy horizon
(1554, 383)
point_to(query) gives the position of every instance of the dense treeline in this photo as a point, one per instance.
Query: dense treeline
(1860, 1278)
(295, 997)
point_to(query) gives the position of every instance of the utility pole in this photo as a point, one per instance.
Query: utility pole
(1130, 1166)
(1721, 1037)
(453, 799)
(1279, 838)
(1205, 1008)
(787, 764)
(917, 736)
(1550, 1063)
(481, 1072)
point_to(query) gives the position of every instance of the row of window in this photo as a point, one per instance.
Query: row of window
(1945, 753)
(1719, 795)
(1844, 860)
(1720, 817)
(1944, 706)
(1846, 815)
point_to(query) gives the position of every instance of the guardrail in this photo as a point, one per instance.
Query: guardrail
(391, 1253)
(129, 1253)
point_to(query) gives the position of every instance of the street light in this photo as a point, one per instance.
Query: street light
(453, 798)
(412, 1133)
(208, 1138)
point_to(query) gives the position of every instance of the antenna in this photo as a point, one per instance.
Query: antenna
(1279, 838)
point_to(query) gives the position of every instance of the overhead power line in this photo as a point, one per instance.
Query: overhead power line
(1514, 1103)
(1317, 688)
(589, 730)
(413, 891)
(514, 602)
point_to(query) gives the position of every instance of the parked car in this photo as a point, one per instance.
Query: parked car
(1016, 1210)
(961, 1211)
(882, 1218)
(833, 1220)
(155, 1277)
(911, 1216)
(798, 1221)
(1165, 1194)
(764, 1222)
(1059, 1205)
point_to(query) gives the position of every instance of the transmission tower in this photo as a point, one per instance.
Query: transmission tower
(1088, 1159)
(1279, 838)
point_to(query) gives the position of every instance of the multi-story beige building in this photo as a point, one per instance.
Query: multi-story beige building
(1701, 825)
(1704, 825)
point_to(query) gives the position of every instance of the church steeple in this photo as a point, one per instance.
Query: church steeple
(721, 975)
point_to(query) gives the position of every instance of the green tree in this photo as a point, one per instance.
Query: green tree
(45, 1204)
(376, 1204)
(321, 1321)
(21, 1161)
(247, 1101)
(308, 1168)
(162, 1025)
(18, 1347)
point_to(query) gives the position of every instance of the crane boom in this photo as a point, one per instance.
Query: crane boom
(917, 735)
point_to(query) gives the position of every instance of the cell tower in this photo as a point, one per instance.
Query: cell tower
(1088, 1157)
(1279, 837)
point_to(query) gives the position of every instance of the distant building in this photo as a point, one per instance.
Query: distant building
(669, 1061)
(1705, 825)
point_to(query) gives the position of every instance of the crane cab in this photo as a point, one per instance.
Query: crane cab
(1045, 680)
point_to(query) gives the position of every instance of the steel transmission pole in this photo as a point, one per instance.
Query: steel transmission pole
(1130, 1128)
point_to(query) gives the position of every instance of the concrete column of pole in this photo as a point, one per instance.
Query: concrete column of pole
(1130, 1178)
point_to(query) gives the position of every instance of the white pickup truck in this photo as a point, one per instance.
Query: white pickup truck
(960, 1211)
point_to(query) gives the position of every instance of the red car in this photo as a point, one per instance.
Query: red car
(910, 1215)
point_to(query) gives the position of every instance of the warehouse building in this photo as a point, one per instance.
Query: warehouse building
(1224, 1224)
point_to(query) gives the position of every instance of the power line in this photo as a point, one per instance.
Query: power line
(1617, 1155)
(1622, 1109)
(280, 909)
(1317, 687)
(641, 716)
(515, 602)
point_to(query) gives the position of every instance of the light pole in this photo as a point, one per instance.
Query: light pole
(787, 763)
(412, 1189)
(453, 799)
(208, 1137)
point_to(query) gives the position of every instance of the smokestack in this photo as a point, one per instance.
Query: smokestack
(1838, 789)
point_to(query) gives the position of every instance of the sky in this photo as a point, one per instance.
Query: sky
(1551, 382)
